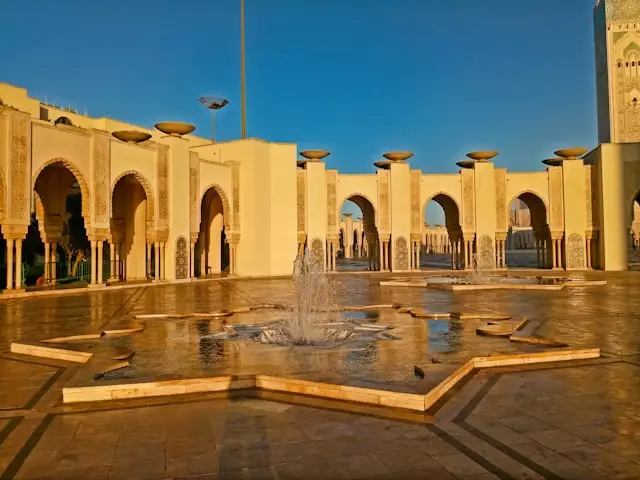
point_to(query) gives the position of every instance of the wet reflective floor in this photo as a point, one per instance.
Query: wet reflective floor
(566, 421)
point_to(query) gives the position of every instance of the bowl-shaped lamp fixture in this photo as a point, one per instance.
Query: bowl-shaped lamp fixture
(571, 152)
(315, 155)
(397, 156)
(175, 128)
(482, 156)
(131, 136)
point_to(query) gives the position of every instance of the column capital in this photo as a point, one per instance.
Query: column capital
(14, 232)
(415, 237)
(557, 235)
(468, 236)
(502, 236)
(384, 237)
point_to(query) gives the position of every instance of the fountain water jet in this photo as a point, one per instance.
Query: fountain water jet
(314, 317)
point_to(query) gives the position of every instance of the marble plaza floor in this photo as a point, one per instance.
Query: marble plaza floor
(575, 420)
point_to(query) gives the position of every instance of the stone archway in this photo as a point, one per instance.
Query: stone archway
(212, 249)
(451, 210)
(530, 230)
(132, 223)
(370, 231)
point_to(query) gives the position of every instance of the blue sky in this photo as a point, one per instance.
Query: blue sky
(358, 77)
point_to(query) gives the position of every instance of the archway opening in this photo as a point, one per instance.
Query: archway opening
(56, 248)
(212, 249)
(359, 235)
(441, 233)
(129, 231)
(634, 233)
(528, 239)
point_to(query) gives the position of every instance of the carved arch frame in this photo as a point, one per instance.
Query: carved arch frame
(544, 202)
(148, 191)
(366, 213)
(226, 206)
(448, 195)
(85, 192)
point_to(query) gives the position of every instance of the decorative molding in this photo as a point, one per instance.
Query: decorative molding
(194, 189)
(486, 253)
(416, 223)
(332, 214)
(575, 251)
(301, 201)
(317, 251)
(401, 262)
(468, 200)
(226, 206)
(100, 168)
(621, 10)
(163, 186)
(19, 167)
(556, 199)
(383, 200)
(588, 196)
(182, 259)
(501, 207)
(235, 187)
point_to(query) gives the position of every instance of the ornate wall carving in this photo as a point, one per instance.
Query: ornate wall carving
(235, 186)
(556, 199)
(194, 188)
(416, 223)
(163, 185)
(468, 201)
(587, 196)
(332, 214)
(486, 253)
(383, 200)
(501, 208)
(621, 10)
(575, 251)
(2, 192)
(301, 200)
(402, 255)
(317, 250)
(101, 175)
(182, 259)
(19, 167)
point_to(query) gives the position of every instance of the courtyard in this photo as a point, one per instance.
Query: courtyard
(573, 420)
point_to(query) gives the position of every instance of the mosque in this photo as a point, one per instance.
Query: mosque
(167, 205)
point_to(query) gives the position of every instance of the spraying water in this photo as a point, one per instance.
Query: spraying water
(314, 310)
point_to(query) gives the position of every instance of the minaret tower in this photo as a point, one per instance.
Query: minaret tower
(617, 50)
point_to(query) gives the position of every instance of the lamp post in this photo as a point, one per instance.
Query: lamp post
(213, 104)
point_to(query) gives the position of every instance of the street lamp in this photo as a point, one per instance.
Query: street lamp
(213, 104)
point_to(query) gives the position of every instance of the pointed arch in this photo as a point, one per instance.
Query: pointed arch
(450, 206)
(226, 207)
(80, 178)
(367, 207)
(148, 191)
(536, 204)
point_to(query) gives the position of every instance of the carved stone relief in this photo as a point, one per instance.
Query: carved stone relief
(575, 251)
(556, 199)
(182, 259)
(301, 200)
(332, 215)
(101, 162)
(235, 185)
(402, 255)
(163, 185)
(501, 209)
(19, 167)
(621, 10)
(486, 255)
(587, 196)
(468, 206)
(383, 192)
(416, 224)
(317, 251)
(194, 189)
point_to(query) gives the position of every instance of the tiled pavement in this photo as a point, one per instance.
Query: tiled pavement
(577, 421)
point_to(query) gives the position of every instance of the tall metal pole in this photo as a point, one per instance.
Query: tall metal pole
(213, 126)
(242, 73)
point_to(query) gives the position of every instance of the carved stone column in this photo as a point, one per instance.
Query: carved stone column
(100, 246)
(157, 262)
(10, 255)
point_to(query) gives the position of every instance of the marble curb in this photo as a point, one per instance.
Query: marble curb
(50, 352)
(361, 395)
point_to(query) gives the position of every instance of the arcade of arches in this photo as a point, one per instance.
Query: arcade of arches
(99, 201)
